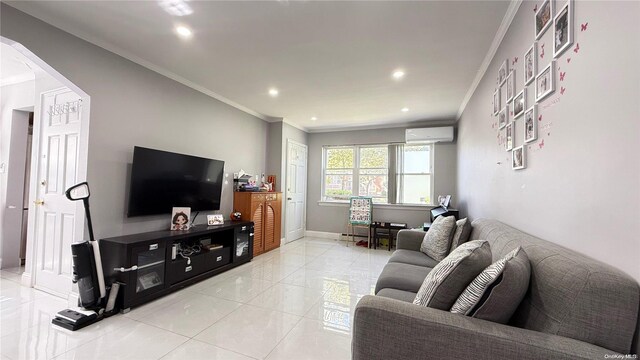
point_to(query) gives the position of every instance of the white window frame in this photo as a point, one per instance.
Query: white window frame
(355, 190)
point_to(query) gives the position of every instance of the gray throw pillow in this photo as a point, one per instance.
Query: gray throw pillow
(496, 293)
(461, 234)
(437, 240)
(446, 281)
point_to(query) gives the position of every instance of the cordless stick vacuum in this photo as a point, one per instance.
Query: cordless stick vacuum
(87, 273)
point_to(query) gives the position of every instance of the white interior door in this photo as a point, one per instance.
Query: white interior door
(58, 221)
(296, 190)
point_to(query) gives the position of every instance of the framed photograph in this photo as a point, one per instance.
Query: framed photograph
(508, 143)
(563, 29)
(531, 63)
(518, 159)
(545, 84)
(215, 219)
(503, 72)
(503, 117)
(511, 85)
(181, 218)
(519, 103)
(544, 17)
(530, 125)
(496, 102)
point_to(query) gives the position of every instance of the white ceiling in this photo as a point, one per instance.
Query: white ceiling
(331, 60)
(13, 66)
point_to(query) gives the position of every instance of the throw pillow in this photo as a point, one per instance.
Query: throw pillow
(496, 293)
(437, 240)
(461, 234)
(446, 281)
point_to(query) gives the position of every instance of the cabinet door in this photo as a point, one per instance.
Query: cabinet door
(149, 277)
(272, 225)
(257, 215)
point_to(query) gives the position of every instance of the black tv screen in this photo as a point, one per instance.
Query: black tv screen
(161, 180)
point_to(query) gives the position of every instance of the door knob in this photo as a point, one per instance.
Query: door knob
(289, 199)
(39, 202)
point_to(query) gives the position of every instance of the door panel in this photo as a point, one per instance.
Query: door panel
(257, 211)
(296, 190)
(56, 217)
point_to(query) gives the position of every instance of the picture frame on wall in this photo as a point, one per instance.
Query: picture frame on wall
(519, 103)
(503, 117)
(518, 158)
(531, 63)
(503, 72)
(511, 85)
(545, 81)
(496, 102)
(530, 124)
(563, 29)
(543, 18)
(508, 138)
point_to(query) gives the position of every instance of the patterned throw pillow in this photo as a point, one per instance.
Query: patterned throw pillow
(461, 235)
(437, 240)
(446, 281)
(495, 294)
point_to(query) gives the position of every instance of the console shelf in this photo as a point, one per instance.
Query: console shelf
(148, 265)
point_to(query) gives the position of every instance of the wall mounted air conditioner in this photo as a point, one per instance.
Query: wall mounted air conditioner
(429, 135)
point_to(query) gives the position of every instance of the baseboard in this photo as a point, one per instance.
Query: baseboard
(26, 279)
(322, 235)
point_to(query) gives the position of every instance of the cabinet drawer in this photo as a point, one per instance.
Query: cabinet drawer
(179, 270)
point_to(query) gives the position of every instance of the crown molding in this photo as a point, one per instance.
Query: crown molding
(514, 5)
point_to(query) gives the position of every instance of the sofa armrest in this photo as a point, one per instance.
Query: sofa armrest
(409, 239)
(391, 329)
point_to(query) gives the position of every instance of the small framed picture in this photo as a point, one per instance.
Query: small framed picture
(215, 219)
(496, 102)
(545, 84)
(563, 29)
(518, 159)
(530, 125)
(503, 117)
(531, 63)
(520, 103)
(181, 218)
(502, 72)
(544, 17)
(511, 85)
(508, 143)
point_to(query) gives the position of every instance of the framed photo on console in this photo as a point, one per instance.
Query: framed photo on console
(544, 17)
(530, 64)
(563, 29)
(545, 84)
(181, 218)
(215, 219)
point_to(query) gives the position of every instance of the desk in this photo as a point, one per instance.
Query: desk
(385, 226)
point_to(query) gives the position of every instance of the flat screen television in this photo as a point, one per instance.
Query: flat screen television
(161, 180)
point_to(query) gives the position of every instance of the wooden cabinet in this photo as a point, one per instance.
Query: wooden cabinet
(264, 209)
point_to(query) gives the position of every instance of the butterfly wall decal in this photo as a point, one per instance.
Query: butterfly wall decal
(583, 27)
(568, 60)
(535, 8)
(577, 48)
(562, 74)
(542, 53)
(541, 144)
(539, 117)
(562, 90)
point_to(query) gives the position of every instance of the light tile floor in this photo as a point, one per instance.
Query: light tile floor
(295, 302)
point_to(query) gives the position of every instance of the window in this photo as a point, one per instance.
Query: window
(366, 170)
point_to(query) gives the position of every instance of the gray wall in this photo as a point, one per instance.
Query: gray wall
(580, 189)
(131, 105)
(333, 218)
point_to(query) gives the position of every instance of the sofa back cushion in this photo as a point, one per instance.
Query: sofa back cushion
(569, 294)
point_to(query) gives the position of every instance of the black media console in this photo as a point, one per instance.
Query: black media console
(150, 265)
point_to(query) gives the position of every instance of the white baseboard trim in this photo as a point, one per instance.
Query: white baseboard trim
(322, 235)
(26, 279)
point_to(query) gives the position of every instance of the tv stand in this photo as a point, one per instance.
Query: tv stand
(149, 265)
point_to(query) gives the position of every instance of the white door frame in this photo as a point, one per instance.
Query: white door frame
(286, 181)
(28, 278)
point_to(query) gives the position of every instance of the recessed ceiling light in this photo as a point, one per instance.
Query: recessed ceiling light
(176, 7)
(404, 109)
(398, 74)
(273, 92)
(183, 31)
(314, 118)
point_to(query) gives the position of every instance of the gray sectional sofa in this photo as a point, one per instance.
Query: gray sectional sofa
(575, 308)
